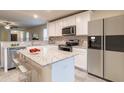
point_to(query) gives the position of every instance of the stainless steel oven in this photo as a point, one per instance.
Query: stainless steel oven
(70, 30)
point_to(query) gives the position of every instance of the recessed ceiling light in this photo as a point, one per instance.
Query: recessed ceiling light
(35, 16)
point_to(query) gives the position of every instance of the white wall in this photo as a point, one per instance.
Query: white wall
(99, 14)
(37, 30)
(4, 34)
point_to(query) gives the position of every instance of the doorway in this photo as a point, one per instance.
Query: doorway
(13, 37)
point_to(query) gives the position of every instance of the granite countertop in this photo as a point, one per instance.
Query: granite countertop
(79, 47)
(16, 46)
(48, 55)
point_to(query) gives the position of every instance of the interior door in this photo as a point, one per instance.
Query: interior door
(114, 48)
(13, 37)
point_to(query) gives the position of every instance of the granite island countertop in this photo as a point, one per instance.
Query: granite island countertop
(47, 55)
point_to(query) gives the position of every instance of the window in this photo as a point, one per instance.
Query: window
(27, 36)
(35, 36)
(45, 34)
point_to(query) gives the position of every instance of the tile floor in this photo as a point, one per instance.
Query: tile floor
(11, 76)
(80, 76)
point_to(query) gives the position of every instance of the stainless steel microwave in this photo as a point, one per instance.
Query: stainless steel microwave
(70, 30)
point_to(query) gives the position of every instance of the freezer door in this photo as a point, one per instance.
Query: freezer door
(95, 47)
(95, 62)
(95, 28)
(114, 48)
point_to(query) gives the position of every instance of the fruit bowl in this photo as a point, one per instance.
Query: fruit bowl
(34, 53)
(34, 50)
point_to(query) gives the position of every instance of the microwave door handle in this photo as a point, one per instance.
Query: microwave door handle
(71, 30)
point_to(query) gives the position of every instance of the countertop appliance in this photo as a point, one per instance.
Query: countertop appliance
(106, 48)
(68, 31)
(74, 42)
(11, 53)
(69, 45)
(65, 48)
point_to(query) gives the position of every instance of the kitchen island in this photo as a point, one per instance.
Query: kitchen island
(50, 64)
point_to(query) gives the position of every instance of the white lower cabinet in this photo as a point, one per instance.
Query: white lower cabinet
(81, 60)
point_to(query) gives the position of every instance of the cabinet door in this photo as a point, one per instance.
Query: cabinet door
(69, 21)
(81, 60)
(51, 29)
(82, 23)
(58, 28)
(63, 71)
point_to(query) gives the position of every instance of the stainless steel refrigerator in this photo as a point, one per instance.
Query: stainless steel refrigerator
(106, 48)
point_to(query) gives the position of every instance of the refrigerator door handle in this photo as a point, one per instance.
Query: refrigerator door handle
(102, 49)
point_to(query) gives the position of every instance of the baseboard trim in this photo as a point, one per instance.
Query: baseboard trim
(12, 68)
(80, 69)
(100, 77)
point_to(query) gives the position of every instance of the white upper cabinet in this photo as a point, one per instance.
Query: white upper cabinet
(55, 28)
(82, 23)
(52, 29)
(80, 20)
(69, 21)
(58, 28)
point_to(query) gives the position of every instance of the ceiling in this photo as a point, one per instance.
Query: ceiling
(25, 19)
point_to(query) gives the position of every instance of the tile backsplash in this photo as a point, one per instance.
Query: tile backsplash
(63, 39)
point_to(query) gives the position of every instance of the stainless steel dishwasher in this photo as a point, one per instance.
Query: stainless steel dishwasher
(11, 53)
